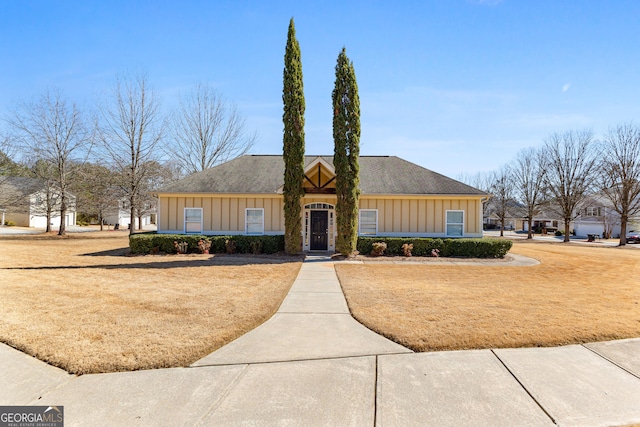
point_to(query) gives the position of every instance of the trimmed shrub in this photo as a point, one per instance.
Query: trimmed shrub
(475, 248)
(378, 248)
(146, 243)
(9, 223)
(406, 249)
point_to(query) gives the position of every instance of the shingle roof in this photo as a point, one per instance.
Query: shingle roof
(263, 174)
(20, 185)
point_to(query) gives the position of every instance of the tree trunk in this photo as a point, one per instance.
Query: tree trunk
(529, 230)
(567, 232)
(623, 230)
(132, 219)
(63, 215)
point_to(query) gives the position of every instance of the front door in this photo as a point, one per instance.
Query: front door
(319, 230)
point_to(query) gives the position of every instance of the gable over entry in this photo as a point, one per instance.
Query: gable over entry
(319, 177)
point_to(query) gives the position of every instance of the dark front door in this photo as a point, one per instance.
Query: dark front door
(319, 230)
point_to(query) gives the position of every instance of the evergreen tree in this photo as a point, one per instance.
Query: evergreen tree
(346, 138)
(293, 142)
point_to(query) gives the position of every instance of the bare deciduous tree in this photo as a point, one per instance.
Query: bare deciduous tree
(619, 172)
(158, 175)
(571, 158)
(47, 198)
(501, 189)
(53, 130)
(481, 181)
(131, 130)
(207, 131)
(95, 189)
(528, 183)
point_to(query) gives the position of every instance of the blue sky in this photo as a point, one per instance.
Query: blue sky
(457, 86)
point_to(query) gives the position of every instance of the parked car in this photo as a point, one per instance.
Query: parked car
(633, 236)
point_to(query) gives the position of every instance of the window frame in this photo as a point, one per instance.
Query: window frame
(360, 222)
(593, 211)
(193, 222)
(447, 223)
(246, 221)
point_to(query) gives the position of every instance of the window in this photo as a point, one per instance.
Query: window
(455, 223)
(254, 223)
(193, 220)
(318, 206)
(368, 223)
(593, 211)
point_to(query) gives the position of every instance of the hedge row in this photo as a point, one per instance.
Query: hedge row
(146, 243)
(475, 248)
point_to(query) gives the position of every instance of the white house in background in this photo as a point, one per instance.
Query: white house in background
(597, 216)
(24, 202)
(121, 214)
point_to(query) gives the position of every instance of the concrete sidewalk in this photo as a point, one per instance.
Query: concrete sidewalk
(312, 364)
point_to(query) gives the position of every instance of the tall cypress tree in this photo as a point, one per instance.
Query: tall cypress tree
(293, 142)
(346, 138)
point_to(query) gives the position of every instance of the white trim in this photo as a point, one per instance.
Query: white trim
(313, 163)
(314, 206)
(246, 222)
(222, 233)
(427, 235)
(447, 223)
(158, 217)
(311, 166)
(185, 221)
(331, 224)
(360, 221)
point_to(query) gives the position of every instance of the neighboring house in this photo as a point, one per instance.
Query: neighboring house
(244, 196)
(513, 220)
(121, 214)
(545, 221)
(597, 216)
(24, 202)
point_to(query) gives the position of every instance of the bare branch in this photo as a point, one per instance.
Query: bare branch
(528, 182)
(131, 131)
(571, 162)
(619, 172)
(207, 130)
(53, 130)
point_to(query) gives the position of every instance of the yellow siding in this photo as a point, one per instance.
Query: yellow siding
(221, 214)
(207, 217)
(396, 215)
(421, 215)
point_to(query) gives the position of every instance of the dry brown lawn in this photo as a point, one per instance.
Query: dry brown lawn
(577, 294)
(79, 303)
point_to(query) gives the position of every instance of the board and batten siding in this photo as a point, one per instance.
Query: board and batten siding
(423, 215)
(397, 216)
(220, 214)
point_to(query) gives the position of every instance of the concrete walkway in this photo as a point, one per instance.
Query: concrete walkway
(312, 364)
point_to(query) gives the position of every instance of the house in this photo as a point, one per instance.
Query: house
(597, 216)
(25, 201)
(514, 218)
(120, 213)
(244, 196)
